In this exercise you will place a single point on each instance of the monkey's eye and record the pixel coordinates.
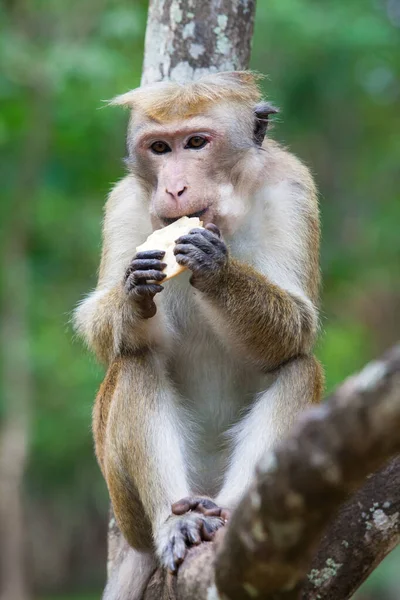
(160, 148)
(196, 142)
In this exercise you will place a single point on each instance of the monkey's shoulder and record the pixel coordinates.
(124, 214)
(284, 166)
(127, 192)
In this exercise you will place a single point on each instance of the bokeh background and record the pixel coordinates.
(333, 68)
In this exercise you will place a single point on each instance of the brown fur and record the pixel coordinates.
(258, 330)
(284, 165)
(101, 409)
(119, 438)
(300, 375)
(166, 101)
(272, 326)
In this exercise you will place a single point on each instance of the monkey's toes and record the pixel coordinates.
(204, 506)
(180, 532)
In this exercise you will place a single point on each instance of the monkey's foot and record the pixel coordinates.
(180, 532)
(205, 506)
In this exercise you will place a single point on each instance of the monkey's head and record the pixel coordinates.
(196, 148)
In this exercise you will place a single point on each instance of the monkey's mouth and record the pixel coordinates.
(199, 213)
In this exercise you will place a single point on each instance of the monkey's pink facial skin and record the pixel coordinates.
(183, 163)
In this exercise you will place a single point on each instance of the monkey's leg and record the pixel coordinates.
(298, 384)
(144, 461)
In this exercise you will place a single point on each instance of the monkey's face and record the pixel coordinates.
(196, 167)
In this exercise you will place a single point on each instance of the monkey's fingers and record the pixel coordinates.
(198, 504)
(146, 290)
(146, 254)
(181, 507)
(212, 512)
(144, 264)
(194, 239)
(138, 277)
(185, 261)
(194, 537)
(224, 513)
(207, 532)
(211, 233)
(178, 551)
(184, 249)
(213, 228)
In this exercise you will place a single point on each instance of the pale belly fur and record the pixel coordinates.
(214, 387)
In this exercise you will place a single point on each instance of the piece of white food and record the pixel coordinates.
(164, 239)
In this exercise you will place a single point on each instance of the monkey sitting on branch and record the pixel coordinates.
(207, 372)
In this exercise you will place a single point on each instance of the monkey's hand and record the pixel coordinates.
(204, 253)
(141, 280)
(179, 532)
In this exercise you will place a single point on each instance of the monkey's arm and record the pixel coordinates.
(110, 320)
(266, 323)
(269, 324)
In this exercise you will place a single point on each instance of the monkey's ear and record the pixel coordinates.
(261, 119)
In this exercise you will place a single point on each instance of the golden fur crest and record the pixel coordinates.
(167, 100)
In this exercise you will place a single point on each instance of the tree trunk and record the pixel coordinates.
(184, 40)
(187, 38)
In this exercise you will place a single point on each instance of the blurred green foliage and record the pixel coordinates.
(333, 68)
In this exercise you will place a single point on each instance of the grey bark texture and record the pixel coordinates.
(277, 545)
(302, 532)
(366, 529)
(189, 38)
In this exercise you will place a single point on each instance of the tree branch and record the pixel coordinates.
(299, 486)
(268, 547)
(366, 529)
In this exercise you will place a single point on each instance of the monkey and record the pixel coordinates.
(206, 373)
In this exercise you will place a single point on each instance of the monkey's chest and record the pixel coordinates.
(214, 384)
(214, 389)
(210, 381)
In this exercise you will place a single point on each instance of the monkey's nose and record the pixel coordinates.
(176, 193)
